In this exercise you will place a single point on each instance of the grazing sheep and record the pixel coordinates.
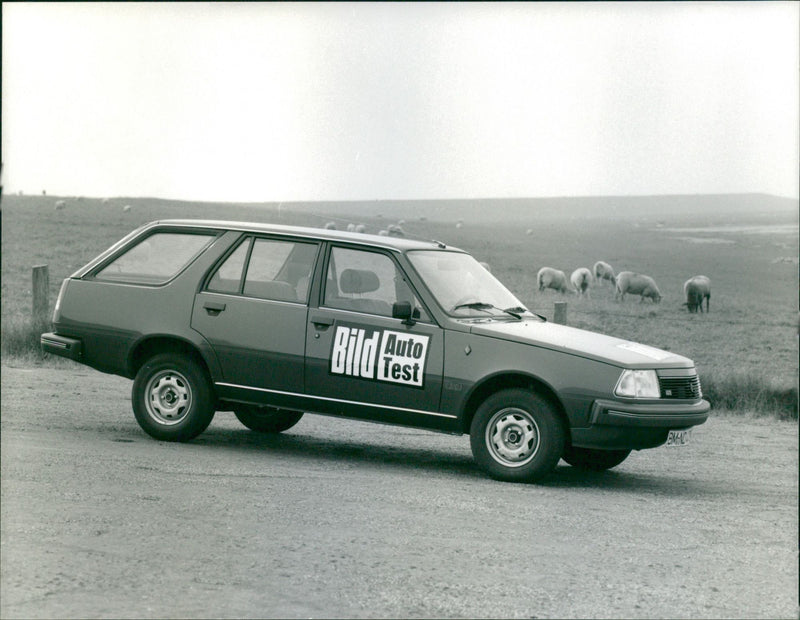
(395, 230)
(552, 278)
(486, 266)
(330, 226)
(360, 228)
(582, 279)
(126, 208)
(384, 233)
(603, 271)
(637, 284)
(696, 290)
(351, 227)
(60, 204)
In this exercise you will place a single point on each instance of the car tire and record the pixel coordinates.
(267, 419)
(172, 398)
(517, 436)
(590, 459)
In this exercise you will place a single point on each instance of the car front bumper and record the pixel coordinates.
(615, 425)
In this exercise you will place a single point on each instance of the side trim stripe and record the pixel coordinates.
(336, 400)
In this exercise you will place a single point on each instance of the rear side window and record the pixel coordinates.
(157, 258)
(274, 269)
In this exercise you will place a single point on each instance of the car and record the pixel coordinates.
(272, 322)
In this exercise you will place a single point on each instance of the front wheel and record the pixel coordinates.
(266, 419)
(172, 398)
(590, 459)
(516, 435)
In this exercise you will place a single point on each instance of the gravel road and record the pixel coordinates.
(337, 518)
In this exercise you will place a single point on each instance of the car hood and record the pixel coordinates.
(616, 351)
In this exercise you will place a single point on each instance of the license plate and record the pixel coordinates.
(676, 439)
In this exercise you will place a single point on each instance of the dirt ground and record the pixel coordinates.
(337, 518)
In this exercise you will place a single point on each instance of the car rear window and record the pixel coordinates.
(157, 258)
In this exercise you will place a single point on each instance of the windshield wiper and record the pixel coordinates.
(519, 309)
(481, 305)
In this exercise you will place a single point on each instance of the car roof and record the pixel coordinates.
(382, 241)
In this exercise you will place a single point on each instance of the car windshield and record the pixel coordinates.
(462, 286)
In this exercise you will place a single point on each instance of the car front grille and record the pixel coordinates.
(680, 387)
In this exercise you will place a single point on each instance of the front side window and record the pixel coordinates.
(274, 269)
(157, 258)
(368, 282)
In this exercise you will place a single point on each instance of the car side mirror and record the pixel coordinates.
(403, 310)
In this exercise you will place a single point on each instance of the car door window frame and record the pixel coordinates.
(251, 240)
(324, 265)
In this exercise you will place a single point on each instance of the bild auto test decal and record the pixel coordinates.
(379, 354)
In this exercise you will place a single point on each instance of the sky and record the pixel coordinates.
(262, 102)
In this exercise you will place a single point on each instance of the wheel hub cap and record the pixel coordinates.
(169, 397)
(512, 437)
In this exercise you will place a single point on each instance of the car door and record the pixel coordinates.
(253, 309)
(361, 362)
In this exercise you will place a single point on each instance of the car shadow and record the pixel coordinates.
(335, 449)
(624, 480)
(439, 461)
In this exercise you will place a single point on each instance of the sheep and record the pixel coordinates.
(330, 226)
(60, 204)
(384, 233)
(582, 279)
(697, 289)
(637, 284)
(351, 227)
(126, 208)
(360, 228)
(552, 278)
(604, 271)
(486, 266)
(395, 230)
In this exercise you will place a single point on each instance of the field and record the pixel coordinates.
(746, 244)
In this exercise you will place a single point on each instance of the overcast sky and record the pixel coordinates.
(340, 101)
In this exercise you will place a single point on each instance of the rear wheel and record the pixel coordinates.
(516, 435)
(172, 398)
(267, 419)
(591, 459)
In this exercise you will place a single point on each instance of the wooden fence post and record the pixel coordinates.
(41, 293)
(560, 313)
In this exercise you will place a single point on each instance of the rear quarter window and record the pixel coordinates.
(157, 258)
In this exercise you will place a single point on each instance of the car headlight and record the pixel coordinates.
(638, 384)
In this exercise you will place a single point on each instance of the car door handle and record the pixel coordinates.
(213, 308)
(322, 322)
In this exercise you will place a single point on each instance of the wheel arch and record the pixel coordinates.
(152, 345)
(504, 381)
